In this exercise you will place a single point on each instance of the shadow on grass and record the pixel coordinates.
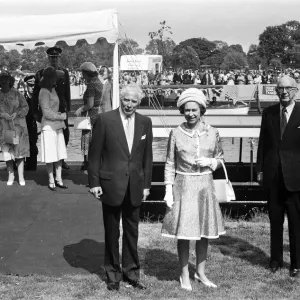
(241, 249)
(87, 254)
(162, 264)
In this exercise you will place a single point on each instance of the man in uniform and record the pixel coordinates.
(62, 88)
(31, 162)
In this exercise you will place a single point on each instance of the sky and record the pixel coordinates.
(232, 21)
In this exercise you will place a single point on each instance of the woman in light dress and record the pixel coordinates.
(193, 213)
(13, 111)
(53, 147)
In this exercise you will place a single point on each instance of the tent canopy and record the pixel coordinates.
(27, 31)
(20, 29)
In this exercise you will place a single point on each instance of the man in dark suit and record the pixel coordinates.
(120, 170)
(278, 166)
(207, 78)
(62, 88)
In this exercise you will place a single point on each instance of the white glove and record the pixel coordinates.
(169, 196)
(13, 116)
(204, 161)
(6, 116)
(79, 111)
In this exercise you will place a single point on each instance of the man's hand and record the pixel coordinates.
(260, 178)
(96, 191)
(146, 193)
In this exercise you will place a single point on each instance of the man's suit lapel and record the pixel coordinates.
(119, 131)
(294, 118)
(138, 131)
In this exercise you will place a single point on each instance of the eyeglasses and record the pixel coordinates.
(288, 89)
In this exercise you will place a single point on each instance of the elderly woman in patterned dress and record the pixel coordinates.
(92, 104)
(13, 110)
(194, 152)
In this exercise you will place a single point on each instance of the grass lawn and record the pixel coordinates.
(237, 263)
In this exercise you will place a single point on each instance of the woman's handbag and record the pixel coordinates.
(11, 136)
(83, 123)
(223, 187)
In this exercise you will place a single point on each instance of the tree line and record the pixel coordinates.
(278, 47)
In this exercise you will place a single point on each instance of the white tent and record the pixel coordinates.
(20, 30)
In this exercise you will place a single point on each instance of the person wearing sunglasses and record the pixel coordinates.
(278, 166)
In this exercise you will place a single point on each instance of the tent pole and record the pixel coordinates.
(116, 90)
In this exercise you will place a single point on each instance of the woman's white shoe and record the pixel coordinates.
(206, 283)
(22, 183)
(188, 288)
(10, 180)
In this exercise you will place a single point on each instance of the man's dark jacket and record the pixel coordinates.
(274, 151)
(112, 166)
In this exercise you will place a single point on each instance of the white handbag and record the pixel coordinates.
(223, 187)
(83, 123)
(11, 136)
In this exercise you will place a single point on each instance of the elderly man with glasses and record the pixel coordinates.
(278, 166)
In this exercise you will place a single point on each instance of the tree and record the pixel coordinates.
(185, 57)
(279, 41)
(275, 63)
(220, 44)
(237, 48)
(162, 44)
(234, 60)
(169, 45)
(202, 46)
(129, 47)
(254, 59)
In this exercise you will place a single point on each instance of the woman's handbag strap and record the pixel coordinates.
(225, 171)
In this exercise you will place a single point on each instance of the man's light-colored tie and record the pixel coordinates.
(129, 132)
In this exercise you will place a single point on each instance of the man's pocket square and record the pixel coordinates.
(143, 137)
(298, 127)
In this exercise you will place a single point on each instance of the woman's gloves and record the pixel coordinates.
(79, 111)
(169, 195)
(207, 162)
(63, 116)
(7, 117)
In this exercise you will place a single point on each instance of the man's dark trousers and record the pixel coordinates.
(130, 220)
(280, 200)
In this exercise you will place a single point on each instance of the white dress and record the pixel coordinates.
(53, 145)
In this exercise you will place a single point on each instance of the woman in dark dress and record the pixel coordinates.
(92, 104)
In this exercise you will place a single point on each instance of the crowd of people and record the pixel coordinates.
(45, 98)
(118, 157)
(207, 77)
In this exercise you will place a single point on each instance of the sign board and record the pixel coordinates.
(141, 63)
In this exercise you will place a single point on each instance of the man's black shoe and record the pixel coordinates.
(136, 284)
(65, 166)
(113, 286)
(295, 272)
(275, 266)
